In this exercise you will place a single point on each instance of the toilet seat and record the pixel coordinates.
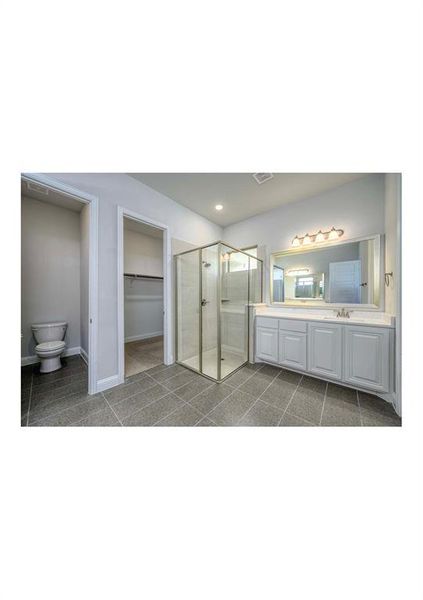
(50, 346)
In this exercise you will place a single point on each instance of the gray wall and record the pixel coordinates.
(357, 207)
(50, 270)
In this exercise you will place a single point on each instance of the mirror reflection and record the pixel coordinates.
(345, 273)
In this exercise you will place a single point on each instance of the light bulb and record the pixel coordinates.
(320, 237)
(333, 234)
(306, 240)
(218, 207)
(296, 241)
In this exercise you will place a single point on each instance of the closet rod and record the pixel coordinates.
(138, 276)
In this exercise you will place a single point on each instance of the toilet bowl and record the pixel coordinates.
(50, 344)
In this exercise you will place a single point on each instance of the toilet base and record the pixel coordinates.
(48, 365)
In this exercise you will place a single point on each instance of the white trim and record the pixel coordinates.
(143, 336)
(34, 359)
(84, 356)
(167, 287)
(92, 200)
(107, 383)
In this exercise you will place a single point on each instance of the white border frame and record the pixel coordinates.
(122, 213)
(92, 201)
(380, 288)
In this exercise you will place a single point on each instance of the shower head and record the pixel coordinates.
(206, 264)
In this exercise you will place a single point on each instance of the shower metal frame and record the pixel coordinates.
(200, 249)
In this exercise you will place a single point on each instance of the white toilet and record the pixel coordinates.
(50, 338)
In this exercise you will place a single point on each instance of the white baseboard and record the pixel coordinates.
(84, 356)
(107, 383)
(143, 336)
(33, 360)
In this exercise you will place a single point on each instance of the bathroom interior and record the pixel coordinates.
(283, 306)
(55, 287)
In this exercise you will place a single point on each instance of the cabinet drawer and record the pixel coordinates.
(293, 325)
(268, 322)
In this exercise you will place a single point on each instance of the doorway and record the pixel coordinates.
(48, 301)
(143, 294)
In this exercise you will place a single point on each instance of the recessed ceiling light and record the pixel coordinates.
(218, 207)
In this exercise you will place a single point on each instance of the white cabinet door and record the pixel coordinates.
(267, 344)
(325, 350)
(293, 349)
(367, 357)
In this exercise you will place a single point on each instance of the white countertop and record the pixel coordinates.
(376, 319)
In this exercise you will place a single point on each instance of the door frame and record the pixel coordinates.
(92, 202)
(123, 212)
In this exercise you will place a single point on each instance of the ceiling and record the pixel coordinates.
(241, 196)
(142, 228)
(36, 191)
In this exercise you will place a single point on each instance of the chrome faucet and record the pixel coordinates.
(343, 314)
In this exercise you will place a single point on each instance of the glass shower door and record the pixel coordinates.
(234, 312)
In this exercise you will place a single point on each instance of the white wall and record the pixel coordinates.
(143, 298)
(357, 207)
(50, 262)
(393, 263)
(143, 254)
(120, 189)
(84, 281)
(392, 233)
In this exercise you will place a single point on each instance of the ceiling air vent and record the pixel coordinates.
(262, 177)
(34, 187)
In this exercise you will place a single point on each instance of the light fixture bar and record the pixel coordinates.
(316, 238)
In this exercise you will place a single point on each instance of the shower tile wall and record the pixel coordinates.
(210, 257)
(188, 305)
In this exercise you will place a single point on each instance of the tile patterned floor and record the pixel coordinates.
(143, 355)
(256, 395)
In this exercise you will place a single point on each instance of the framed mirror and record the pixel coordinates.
(330, 274)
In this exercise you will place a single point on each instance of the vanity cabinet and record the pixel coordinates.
(366, 357)
(293, 349)
(267, 339)
(358, 355)
(325, 350)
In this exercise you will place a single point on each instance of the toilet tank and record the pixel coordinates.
(49, 332)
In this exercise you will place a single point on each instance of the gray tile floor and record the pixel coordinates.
(256, 395)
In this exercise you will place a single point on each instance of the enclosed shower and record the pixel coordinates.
(215, 288)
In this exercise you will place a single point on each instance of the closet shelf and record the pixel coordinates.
(138, 276)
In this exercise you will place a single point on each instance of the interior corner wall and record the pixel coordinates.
(357, 207)
(118, 189)
(50, 270)
(84, 280)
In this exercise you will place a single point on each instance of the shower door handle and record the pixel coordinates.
(204, 302)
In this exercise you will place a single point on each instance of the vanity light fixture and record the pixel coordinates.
(320, 236)
(295, 272)
(218, 206)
